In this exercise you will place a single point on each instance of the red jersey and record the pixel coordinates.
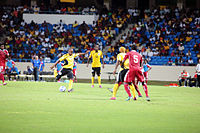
(3, 55)
(184, 75)
(134, 59)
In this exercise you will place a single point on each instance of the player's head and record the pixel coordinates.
(134, 48)
(41, 58)
(2, 46)
(70, 51)
(145, 61)
(122, 49)
(184, 71)
(36, 57)
(96, 47)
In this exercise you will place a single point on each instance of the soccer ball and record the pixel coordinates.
(62, 88)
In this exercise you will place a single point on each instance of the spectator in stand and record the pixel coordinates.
(183, 78)
(181, 47)
(36, 65)
(170, 62)
(180, 61)
(188, 54)
(176, 61)
(106, 59)
(75, 24)
(190, 62)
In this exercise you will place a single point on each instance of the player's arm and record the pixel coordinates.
(79, 54)
(116, 66)
(58, 61)
(149, 68)
(89, 59)
(102, 60)
(55, 64)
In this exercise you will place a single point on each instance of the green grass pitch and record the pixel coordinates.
(39, 107)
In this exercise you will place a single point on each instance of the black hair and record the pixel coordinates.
(134, 47)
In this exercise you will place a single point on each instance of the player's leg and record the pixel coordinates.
(198, 80)
(127, 81)
(93, 75)
(2, 70)
(71, 78)
(145, 76)
(116, 86)
(99, 76)
(74, 73)
(180, 82)
(133, 91)
(55, 72)
(61, 73)
(140, 77)
(185, 82)
(137, 89)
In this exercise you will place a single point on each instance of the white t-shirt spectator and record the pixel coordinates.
(155, 53)
(190, 61)
(145, 53)
(150, 54)
(181, 48)
(106, 59)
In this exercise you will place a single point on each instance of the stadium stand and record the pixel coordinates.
(165, 35)
(49, 40)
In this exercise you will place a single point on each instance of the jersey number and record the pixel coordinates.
(135, 57)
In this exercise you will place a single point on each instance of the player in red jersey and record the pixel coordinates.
(3, 55)
(135, 71)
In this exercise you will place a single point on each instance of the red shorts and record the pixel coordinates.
(74, 72)
(145, 75)
(2, 68)
(132, 74)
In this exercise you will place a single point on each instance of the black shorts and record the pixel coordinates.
(121, 75)
(96, 70)
(66, 71)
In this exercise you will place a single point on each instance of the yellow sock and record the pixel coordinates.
(92, 80)
(132, 90)
(99, 80)
(55, 73)
(115, 88)
(70, 84)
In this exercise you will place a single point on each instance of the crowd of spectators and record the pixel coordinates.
(165, 37)
(46, 40)
(43, 9)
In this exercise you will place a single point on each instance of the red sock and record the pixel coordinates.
(120, 83)
(2, 77)
(146, 81)
(145, 89)
(126, 87)
(137, 89)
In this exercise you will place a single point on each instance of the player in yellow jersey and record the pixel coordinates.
(121, 74)
(96, 56)
(67, 66)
